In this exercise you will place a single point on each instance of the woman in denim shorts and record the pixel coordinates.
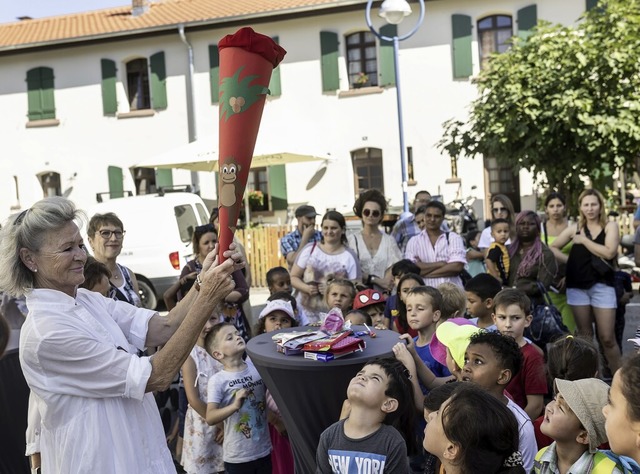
(590, 274)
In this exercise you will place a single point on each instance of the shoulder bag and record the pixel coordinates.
(546, 325)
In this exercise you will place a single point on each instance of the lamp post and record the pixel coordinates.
(394, 11)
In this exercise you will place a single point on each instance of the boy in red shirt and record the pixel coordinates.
(511, 315)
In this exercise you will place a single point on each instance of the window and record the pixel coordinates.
(50, 183)
(362, 63)
(493, 35)
(258, 182)
(500, 179)
(367, 169)
(144, 180)
(138, 84)
(40, 94)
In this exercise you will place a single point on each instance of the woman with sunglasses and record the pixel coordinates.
(376, 250)
(106, 234)
(501, 207)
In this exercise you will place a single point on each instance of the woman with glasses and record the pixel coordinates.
(106, 234)
(501, 207)
(376, 250)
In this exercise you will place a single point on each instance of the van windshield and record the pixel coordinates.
(187, 221)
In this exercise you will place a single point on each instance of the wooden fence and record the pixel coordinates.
(262, 245)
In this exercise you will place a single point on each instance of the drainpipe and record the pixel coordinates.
(191, 105)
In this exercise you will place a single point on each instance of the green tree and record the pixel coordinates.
(565, 102)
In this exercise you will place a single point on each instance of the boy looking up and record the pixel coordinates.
(575, 421)
(236, 395)
(497, 260)
(529, 386)
(480, 291)
(491, 360)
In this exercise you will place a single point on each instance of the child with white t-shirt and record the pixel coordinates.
(236, 395)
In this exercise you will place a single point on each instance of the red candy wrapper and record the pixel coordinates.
(247, 60)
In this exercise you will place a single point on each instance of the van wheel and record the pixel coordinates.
(147, 295)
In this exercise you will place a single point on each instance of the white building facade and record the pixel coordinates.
(80, 112)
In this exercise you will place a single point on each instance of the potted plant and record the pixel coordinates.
(256, 200)
(361, 80)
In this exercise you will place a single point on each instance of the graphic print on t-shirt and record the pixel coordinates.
(356, 462)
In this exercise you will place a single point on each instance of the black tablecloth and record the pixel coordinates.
(309, 393)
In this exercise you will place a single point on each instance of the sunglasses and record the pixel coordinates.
(202, 229)
(375, 296)
(106, 234)
(369, 212)
(500, 209)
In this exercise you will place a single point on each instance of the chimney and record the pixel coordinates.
(139, 7)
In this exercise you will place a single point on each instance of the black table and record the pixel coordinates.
(310, 393)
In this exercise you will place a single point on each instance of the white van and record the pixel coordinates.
(157, 244)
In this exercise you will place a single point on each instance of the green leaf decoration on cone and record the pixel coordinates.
(237, 95)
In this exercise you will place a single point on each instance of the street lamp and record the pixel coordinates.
(394, 11)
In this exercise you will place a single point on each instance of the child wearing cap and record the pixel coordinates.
(450, 342)
(575, 421)
(277, 314)
(372, 302)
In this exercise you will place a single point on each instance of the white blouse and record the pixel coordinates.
(79, 358)
(387, 254)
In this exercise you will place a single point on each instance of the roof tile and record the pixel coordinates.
(162, 13)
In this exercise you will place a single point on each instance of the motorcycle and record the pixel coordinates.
(626, 261)
(460, 215)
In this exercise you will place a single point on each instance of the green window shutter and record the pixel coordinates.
(527, 20)
(591, 4)
(278, 187)
(109, 100)
(48, 102)
(116, 184)
(40, 94)
(214, 73)
(329, 61)
(158, 81)
(386, 60)
(275, 88)
(461, 43)
(33, 94)
(164, 178)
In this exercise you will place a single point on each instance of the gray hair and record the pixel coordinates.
(28, 230)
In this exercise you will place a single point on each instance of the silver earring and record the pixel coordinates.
(35, 270)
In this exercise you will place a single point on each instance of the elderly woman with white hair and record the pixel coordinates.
(78, 349)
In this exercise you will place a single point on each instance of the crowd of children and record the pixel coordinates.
(462, 365)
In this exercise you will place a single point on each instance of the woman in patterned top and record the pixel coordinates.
(106, 235)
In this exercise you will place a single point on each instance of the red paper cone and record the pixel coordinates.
(247, 60)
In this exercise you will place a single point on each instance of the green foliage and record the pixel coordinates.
(232, 89)
(564, 103)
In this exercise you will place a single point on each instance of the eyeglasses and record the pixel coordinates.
(365, 298)
(106, 234)
(497, 210)
(372, 213)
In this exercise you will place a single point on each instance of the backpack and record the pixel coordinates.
(602, 464)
